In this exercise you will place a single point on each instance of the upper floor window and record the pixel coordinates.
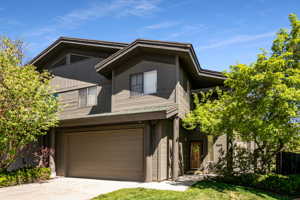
(143, 83)
(69, 59)
(62, 61)
(76, 58)
(88, 96)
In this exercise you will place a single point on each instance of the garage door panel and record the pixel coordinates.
(114, 154)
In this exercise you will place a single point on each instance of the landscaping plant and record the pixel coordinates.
(27, 107)
(21, 176)
(259, 103)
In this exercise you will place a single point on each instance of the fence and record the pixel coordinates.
(288, 163)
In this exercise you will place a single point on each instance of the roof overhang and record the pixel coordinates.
(155, 113)
(75, 43)
(185, 51)
(118, 52)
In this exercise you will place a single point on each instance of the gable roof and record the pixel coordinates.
(184, 50)
(118, 51)
(64, 42)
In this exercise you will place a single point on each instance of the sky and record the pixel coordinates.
(223, 32)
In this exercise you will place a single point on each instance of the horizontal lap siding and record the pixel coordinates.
(184, 99)
(165, 83)
(67, 81)
(69, 103)
(76, 75)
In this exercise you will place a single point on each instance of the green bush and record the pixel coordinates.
(21, 176)
(270, 182)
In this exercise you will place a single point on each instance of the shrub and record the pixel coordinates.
(270, 182)
(42, 156)
(21, 176)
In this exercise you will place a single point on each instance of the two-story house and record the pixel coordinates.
(122, 106)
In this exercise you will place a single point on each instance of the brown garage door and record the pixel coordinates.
(114, 154)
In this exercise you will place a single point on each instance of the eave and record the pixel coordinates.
(185, 51)
(78, 43)
(153, 113)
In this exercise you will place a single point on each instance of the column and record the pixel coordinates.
(175, 146)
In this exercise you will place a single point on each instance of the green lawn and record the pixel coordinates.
(204, 190)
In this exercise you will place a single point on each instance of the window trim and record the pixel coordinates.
(54, 64)
(142, 73)
(86, 92)
(77, 54)
(130, 85)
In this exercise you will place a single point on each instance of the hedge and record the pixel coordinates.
(26, 175)
(288, 185)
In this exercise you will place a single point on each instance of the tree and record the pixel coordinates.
(27, 107)
(260, 103)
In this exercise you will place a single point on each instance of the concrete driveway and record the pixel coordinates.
(78, 189)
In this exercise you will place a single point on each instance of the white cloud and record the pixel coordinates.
(100, 9)
(236, 40)
(187, 30)
(163, 25)
(114, 8)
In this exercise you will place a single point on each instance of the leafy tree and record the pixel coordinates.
(260, 103)
(27, 108)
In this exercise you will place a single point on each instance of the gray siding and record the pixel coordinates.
(184, 95)
(161, 161)
(166, 81)
(155, 147)
(67, 81)
(60, 157)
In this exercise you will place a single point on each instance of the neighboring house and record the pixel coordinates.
(122, 106)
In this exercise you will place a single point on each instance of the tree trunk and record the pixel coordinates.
(230, 152)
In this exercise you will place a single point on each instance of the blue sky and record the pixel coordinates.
(223, 32)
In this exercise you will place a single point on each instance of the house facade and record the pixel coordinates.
(121, 109)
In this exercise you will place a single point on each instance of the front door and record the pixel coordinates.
(195, 155)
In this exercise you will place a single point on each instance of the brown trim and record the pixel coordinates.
(101, 127)
(175, 146)
(177, 79)
(185, 48)
(112, 90)
(147, 152)
(66, 152)
(52, 155)
(117, 118)
(79, 41)
(159, 154)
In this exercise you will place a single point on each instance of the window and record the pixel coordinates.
(88, 96)
(136, 84)
(62, 61)
(143, 83)
(69, 59)
(150, 82)
(76, 58)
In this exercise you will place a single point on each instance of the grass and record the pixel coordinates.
(203, 190)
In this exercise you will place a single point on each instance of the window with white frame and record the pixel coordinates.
(143, 83)
(88, 96)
